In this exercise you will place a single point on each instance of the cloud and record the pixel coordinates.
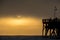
(39, 8)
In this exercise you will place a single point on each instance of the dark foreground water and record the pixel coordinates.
(26, 38)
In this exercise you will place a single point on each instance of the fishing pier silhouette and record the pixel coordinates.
(51, 26)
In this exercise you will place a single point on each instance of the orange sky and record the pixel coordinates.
(20, 26)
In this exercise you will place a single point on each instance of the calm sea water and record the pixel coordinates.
(25, 38)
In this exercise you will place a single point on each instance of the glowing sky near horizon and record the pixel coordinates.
(20, 26)
(24, 16)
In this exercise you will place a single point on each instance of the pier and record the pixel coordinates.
(52, 26)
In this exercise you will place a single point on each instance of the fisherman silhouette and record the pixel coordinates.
(57, 26)
(54, 25)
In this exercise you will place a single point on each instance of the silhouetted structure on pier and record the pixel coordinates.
(51, 26)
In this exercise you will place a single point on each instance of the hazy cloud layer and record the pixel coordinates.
(38, 8)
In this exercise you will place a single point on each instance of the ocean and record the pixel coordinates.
(27, 38)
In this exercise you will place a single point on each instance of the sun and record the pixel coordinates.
(18, 16)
